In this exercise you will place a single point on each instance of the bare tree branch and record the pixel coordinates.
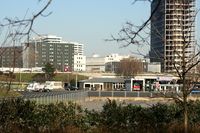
(16, 31)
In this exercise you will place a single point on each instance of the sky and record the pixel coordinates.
(89, 22)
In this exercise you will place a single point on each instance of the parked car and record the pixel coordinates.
(71, 88)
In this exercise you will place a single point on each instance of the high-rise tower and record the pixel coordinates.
(172, 33)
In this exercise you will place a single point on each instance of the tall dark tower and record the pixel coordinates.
(172, 30)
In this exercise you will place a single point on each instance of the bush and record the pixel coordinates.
(1, 73)
(39, 77)
(26, 116)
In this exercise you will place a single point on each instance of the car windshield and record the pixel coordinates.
(30, 85)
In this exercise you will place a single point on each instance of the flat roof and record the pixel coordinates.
(104, 80)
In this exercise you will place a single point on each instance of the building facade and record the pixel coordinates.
(49, 49)
(11, 57)
(79, 58)
(154, 67)
(79, 63)
(102, 84)
(112, 62)
(172, 32)
(115, 57)
(78, 48)
(95, 64)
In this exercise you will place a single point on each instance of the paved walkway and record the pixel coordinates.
(97, 104)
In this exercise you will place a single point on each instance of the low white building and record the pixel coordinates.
(23, 70)
(144, 82)
(115, 57)
(154, 67)
(108, 63)
(95, 64)
(102, 84)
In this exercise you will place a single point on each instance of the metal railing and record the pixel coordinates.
(81, 96)
(56, 97)
(136, 94)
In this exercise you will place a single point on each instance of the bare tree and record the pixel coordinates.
(130, 67)
(16, 31)
(183, 62)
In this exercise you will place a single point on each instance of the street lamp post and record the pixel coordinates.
(2, 63)
(76, 80)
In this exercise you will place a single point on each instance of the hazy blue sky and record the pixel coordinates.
(84, 21)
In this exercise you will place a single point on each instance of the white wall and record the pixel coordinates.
(115, 58)
(95, 64)
(79, 63)
(154, 67)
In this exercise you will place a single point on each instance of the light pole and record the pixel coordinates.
(20, 77)
(2, 63)
(76, 80)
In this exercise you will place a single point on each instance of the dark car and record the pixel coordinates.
(71, 88)
(68, 86)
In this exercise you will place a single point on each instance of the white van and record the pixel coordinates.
(53, 85)
(35, 87)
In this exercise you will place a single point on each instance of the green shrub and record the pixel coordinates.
(26, 116)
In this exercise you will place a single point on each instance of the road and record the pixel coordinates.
(96, 99)
(26, 94)
(100, 94)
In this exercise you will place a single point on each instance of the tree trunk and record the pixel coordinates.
(185, 117)
(185, 105)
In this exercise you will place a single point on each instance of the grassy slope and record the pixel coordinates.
(65, 77)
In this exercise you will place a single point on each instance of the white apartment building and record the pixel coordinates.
(79, 58)
(78, 48)
(79, 63)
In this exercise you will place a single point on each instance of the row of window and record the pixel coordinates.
(177, 32)
(79, 57)
(79, 65)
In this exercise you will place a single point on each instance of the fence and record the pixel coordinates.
(121, 94)
(136, 94)
(81, 96)
(55, 97)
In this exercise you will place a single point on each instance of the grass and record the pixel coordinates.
(5, 93)
(64, 77)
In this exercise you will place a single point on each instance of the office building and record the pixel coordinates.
(78, 48)
(172, 33)
(11, 57)
(49, 49)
